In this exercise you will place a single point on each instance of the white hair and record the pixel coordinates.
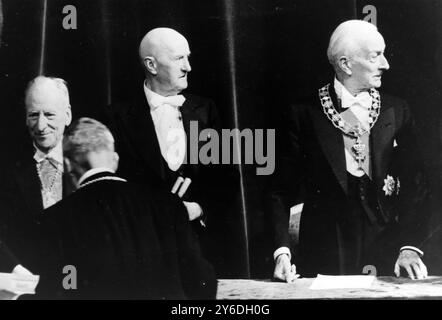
(345, 39)
(60, 84)
(84, 136)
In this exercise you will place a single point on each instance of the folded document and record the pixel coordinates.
(323, 282)
(18, 283)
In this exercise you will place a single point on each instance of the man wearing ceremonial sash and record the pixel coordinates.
(354, 151)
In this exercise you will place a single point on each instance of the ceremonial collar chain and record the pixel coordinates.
(339, 122)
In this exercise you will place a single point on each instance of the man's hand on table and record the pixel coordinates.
(412, 263)
(284, 270)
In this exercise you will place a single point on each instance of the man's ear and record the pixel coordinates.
(68, 116)
(150, 64)
(69, 168)
(115, 160)
(344, 64)
(67, 165)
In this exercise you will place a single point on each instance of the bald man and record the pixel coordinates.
(36, 180)
(152, 133)
(355, 152)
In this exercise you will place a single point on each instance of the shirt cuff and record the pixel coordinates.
(282, 250)
(418, 251)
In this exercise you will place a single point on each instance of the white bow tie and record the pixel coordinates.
(174, 101)
(363, 99)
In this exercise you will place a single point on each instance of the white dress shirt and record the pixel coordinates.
(56, 153)
(168, 125)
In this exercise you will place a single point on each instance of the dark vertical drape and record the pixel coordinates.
(106, 19)
(250, 56)
(231, 48)
(44, 17)
(1, 21)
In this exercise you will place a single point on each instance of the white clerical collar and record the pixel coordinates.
(92, 172)
(56, 153)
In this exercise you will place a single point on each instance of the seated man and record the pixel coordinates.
(123, 241)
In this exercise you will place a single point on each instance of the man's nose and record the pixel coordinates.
(384, 63)
(41, 122)
(186, 65)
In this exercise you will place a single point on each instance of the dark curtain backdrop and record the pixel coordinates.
(250, 56)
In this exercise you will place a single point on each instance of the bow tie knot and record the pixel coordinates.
(363, 99)
(174, 101)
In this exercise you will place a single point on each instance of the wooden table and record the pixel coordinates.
(382, 288)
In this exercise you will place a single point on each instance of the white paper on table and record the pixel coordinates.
(323, 282)
(18, 283)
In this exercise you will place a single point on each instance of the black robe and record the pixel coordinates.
(126, 242)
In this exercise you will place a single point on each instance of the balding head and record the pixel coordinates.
(164, 54)
(157, 40)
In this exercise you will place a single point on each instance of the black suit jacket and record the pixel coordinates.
(312, 158)
(141, 160)
(21, 206)
(126, 242)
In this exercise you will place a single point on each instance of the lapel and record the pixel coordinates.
(68, 184)
(29, 184)
(382, 134)
(140, 128)
(189, 113)
(331, 140)
(192, 111)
